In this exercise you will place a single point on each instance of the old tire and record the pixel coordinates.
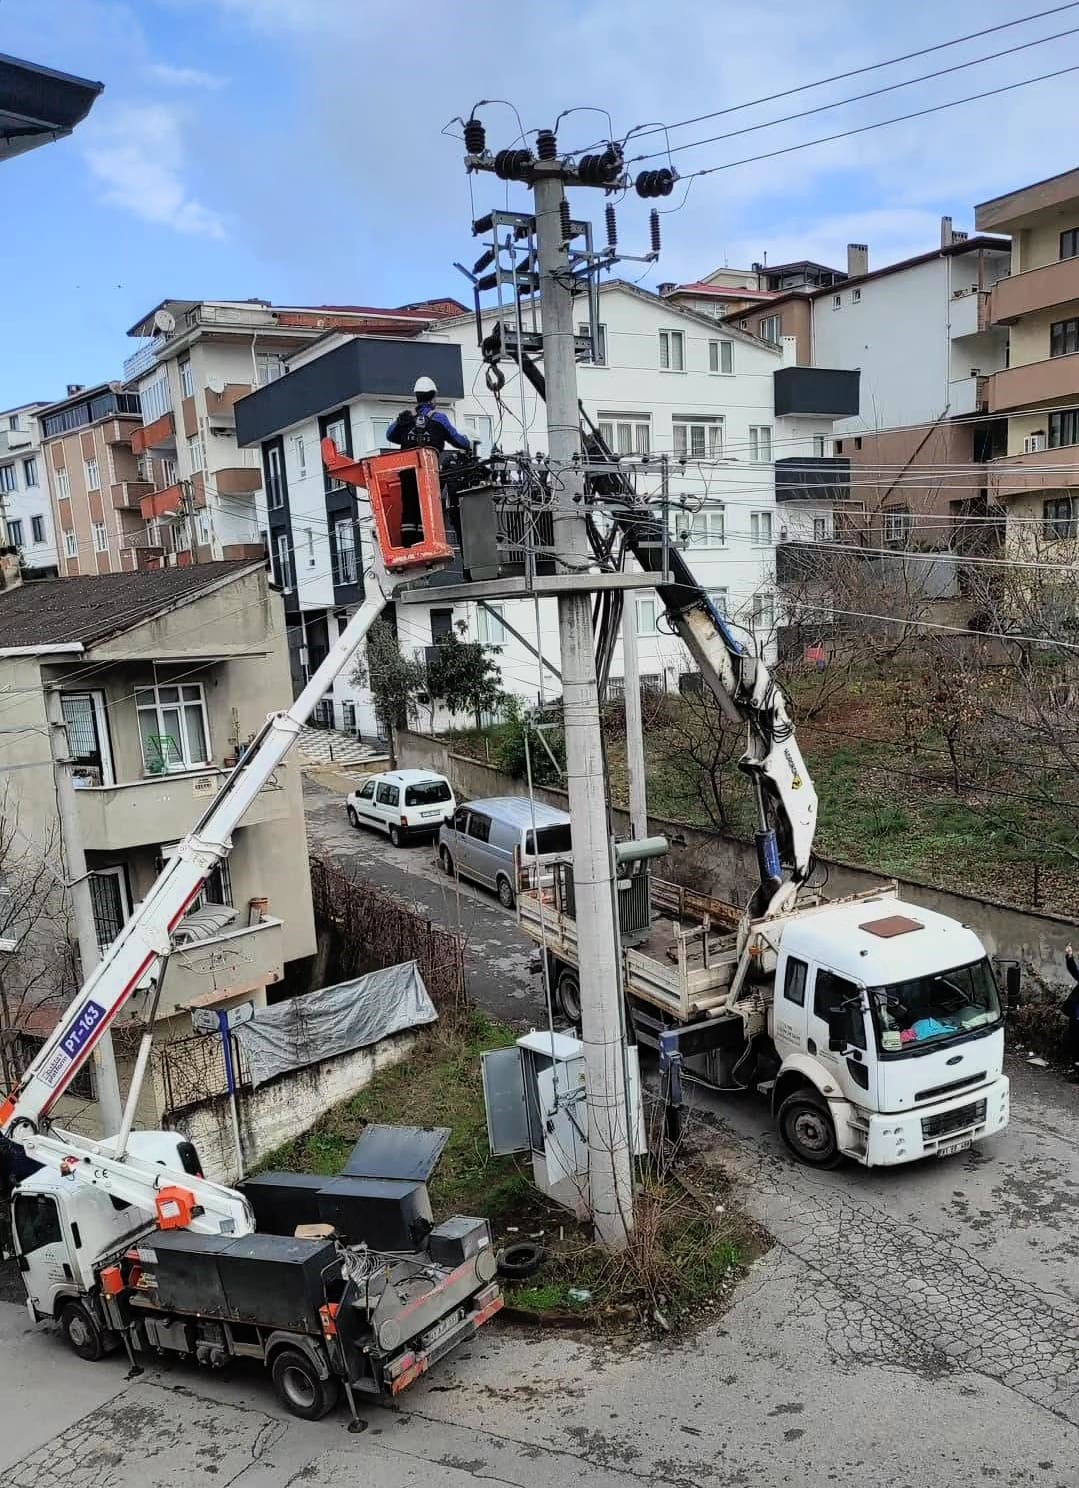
(299, 1386)
(521, 1260)
(569, 997)
(353, 819)
(506, 895)
(445, 857)
(83, 1335)
(807, 1128)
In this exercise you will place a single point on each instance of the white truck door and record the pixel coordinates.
(851, 1065)
(44, 1261)
(789, 1007)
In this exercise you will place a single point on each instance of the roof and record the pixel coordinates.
(722, 291)
(86, 393)
(84, 611)
(409, 777)
(837, 940)
(38, 105)
(520, 811)
(421, 311)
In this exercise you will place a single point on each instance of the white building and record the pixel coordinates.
(25, 512)
(666, 382)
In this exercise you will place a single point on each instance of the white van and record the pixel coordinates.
(490, 841)
(402, 803)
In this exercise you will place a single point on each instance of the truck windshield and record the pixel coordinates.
(932, 1009)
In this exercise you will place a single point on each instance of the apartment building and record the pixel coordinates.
(26, 522)
(1036, 307)
(196, 360)
(163, 678)
(741, 291)
(95, 483)
(724, 409)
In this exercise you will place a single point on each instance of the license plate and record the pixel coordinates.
(447, 1325)
(947, 1148)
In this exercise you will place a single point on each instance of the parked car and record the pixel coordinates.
(402, 803)
(490, 841)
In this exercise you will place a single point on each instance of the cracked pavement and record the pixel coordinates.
(911, 1328)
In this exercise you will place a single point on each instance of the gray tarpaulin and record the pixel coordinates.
(335, 1020)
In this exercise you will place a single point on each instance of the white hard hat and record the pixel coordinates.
(425, 385)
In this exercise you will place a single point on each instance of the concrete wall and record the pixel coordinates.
(726, 867)
(282, 1109)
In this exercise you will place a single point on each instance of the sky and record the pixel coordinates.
(301, 151)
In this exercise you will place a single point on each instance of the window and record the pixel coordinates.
(196, 460)
(1064, 428)
(441, 625)
(833, 993)
(764, 612)
(719, 599)
(480, 428)
(206, 531)
(646, 617)
(794, 983)
(700, 529)
(37, 1222)
(697, 439)
(300, 451)
(387, 795)
(155, 400)
(1063, 337)
(337, 430)
(721, 357)
(490, 630)
(760, 529)
(344, 533)
(856, 296)
(187, 380)
(600, 357)
(672, 351)
(479, 826)
(71, 543)
(172, 726)
(897, 524)
(37, 529)
(626, 433)
(822, 446)
(29, 472)
(14, 423)
(760, 444)
(111, 904)
(14, 532)
(284, 562)
(275, 485)
(93, 475)
(348, 717)
(1069, 243)
(1058, 517)
(7, 478)
(269, 366)
(770, 329)
(839, 446)
(101, 538)
(820, 529)
(63, 486)
(837, 300)
(857, 441)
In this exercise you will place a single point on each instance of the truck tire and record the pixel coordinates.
(83, 1335)
(569, 997)
(353, 819)
(445, 857)
(506, 896)
(395, 837)
(807, 1128)
(299, 1386)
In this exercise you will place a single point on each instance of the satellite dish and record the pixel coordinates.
(216, 385)
(164, 321)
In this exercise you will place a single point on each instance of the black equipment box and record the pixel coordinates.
(397, 1152)
(281, 1201)
(270, 1280)
(384, 1213)
(457, 1240)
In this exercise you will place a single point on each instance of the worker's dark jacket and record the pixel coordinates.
(425, 426)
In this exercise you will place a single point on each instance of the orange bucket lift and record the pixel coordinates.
(405, 491)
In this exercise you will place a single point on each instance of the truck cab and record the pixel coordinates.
(889, 1031)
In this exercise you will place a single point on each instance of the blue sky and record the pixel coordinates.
(292, 149)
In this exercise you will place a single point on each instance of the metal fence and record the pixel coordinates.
(192, 1070)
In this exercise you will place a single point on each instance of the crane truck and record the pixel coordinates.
(126, 1244)
(874, 1026)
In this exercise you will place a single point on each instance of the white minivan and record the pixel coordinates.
(402, 803)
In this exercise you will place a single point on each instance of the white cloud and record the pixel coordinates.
(185, 77)
(136, 154)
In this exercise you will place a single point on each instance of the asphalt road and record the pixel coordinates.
(911, 1328)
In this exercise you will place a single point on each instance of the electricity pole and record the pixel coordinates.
(631, 686)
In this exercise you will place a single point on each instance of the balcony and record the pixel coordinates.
(238, 480)
(237, 960)
(821, 391)
(14, 441)
(1055, 379)
(821, 478)
(221, 407)
(127, 495)
(120, 430)
(1015, 475)
(161, 432)
(1036, 289)
(162, 808)
(969, 313)
(164, 503)
(144, 360)
(967, 395)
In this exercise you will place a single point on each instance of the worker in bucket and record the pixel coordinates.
(1070, 1009)
(426, 427)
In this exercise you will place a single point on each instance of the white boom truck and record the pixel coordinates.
(875, 1026)
(125, 1243)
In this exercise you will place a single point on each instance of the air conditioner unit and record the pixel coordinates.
(1033, 444)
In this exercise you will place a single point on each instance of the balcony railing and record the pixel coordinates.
(238, 959)
(13, 441)
(144, 360)
(160, 432)
(161, 808)
(127, 494)
(1034, 382)
(820, 478)
(1035, 289)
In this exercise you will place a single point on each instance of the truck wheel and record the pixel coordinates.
(446, 859)
(82, 1332)
(353, 819)
(299, 1387)
(395, 836)
(569, 997)
(806, 1126)
(505, 893)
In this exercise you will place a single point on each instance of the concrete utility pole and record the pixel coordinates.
(610, 1169)
(105, 1075)
(638, 791)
